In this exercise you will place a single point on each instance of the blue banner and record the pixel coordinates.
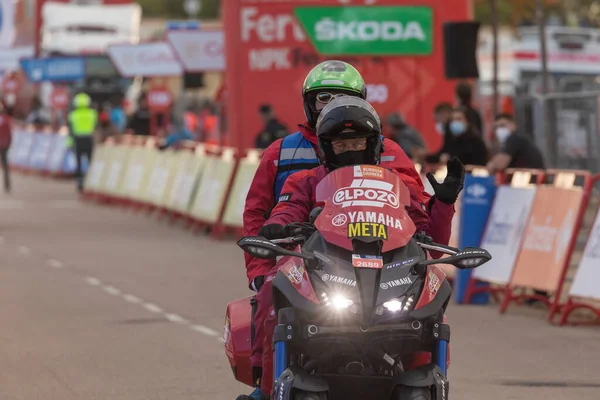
(477, 198)
(58, 69)
(183, 25)
(38, 159)
(20, 156)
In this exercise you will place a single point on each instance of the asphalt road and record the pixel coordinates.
(101, 303)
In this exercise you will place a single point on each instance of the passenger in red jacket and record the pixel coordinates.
(349, 133)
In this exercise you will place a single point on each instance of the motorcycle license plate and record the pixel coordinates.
(373, 262)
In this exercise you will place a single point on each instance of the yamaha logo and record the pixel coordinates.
(325, 277)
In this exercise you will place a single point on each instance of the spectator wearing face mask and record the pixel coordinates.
(466, 143)
(442, 115)
(464, 97)
(517, 150)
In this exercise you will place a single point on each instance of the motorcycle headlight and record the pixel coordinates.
(402, 304)
(337, 301)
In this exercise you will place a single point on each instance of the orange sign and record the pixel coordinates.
(159, 100)
(549, 231)
(59, 98)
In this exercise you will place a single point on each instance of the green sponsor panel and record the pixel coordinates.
(159, 178)
(179, 162)
(191, 182)
(93, 178)
(369, 30)
(115, 173)
(135, 171)
(234, 211)
(212, 188)
(146, 165)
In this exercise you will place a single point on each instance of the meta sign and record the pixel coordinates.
(58, 69)
(397, 46)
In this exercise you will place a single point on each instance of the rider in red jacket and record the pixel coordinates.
(326, 81)
(349, 133)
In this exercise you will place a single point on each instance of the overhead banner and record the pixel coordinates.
(199, 51)
(368, 30)
(397, 47)
(147, 59)
(547, 236)
(54, 69)
(586, 279)
(504, 233)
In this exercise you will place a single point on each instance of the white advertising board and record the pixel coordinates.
(587, 276)
(147, 59)
(504, 233)
(199, 51)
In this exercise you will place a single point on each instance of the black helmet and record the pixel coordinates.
(348, 118)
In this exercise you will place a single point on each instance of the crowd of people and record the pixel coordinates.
(460, 125)
(461, 128)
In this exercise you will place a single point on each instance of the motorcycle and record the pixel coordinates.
(356, 295)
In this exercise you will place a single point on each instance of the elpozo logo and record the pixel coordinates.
(369, 193)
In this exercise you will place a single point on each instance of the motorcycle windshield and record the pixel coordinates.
(367, 203)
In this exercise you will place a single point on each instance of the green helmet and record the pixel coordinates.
(81, 100)
(331, 74)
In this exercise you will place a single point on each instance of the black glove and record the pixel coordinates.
(447, 192)
(272, 231)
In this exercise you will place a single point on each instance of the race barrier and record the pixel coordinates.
(528, 222)
(550, 236)
(478, 195)
(44, 153)
(504, 231)
(195, 182)
(584, 288)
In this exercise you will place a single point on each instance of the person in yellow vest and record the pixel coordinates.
(82, 123)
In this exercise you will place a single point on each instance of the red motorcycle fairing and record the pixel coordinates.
(364, 194)
(433, 281)
(293, 268)
(237, 334)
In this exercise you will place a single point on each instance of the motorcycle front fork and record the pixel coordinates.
(441, 355)
(280, 359)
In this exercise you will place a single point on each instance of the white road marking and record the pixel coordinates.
(112, 290)
(204, 330)
(153, 308)
(92, 281)
(132, 299)
(24, 250)
(55, 264)
(176, 318)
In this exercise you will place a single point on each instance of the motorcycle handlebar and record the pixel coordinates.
(288, 240)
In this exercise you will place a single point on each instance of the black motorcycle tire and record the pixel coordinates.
(411, 393)
(301, 395)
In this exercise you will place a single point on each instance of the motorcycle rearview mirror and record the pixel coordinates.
(468, 258)
(314, 214)
(261, 247)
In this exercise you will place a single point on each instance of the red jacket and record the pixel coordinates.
(260, 196)
(302, 185)
(5, 131)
